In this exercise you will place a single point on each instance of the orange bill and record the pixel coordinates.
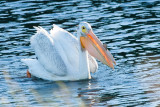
(95, 48)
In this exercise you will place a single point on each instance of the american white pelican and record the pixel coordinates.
(62, 56)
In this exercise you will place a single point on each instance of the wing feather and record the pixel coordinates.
(67, 44)
(47, 53)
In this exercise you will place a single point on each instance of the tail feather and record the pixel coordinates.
(36, 69)
(28, 62)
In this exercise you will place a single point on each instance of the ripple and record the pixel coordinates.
(130, 28)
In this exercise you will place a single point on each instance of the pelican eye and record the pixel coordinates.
(83, 29)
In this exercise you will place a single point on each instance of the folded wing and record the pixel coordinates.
(47, 53)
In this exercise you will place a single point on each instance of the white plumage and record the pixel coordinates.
(60, 56)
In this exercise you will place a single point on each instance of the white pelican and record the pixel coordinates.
(62, 56)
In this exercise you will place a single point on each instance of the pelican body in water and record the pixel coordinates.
(62, 56)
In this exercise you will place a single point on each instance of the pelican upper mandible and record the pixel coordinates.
(62, 56)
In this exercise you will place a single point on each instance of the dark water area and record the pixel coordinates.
(130, 28)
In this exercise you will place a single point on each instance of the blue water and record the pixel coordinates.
(130, 28)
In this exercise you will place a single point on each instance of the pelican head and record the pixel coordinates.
(84, 28)
(93, 45)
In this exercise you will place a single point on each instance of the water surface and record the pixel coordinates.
(130, 28)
